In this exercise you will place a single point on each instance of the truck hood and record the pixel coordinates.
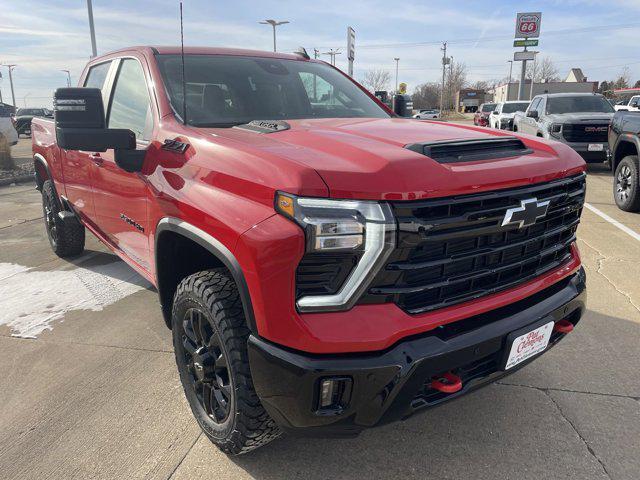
(366, 158)
(579, 117)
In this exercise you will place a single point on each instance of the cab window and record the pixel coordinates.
(97, 75)
(130, 105)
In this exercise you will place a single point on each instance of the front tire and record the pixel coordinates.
(66, 238)
(210, 343)
(626, 190)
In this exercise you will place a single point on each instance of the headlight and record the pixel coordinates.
(365, 229)
(555, 129)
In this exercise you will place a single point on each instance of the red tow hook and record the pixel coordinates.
(563, 326)
(446, 383)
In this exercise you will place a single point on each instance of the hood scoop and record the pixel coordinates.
(473, 150)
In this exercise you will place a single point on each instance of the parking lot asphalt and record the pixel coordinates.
(89, 387)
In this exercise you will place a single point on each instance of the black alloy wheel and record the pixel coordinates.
(626, 191)
(207, 364)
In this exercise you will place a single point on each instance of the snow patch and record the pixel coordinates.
(31, 300)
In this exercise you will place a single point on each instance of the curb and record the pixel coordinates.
(19, 179)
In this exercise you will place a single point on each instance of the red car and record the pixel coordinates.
(324, 266)
(481, 117)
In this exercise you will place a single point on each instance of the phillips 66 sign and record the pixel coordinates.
(528, 25)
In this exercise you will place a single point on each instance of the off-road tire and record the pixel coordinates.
(214, 294)
(66, 238)
(626, 191)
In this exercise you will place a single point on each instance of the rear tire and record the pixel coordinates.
(626, 190)
(210, 343)
(65, 237)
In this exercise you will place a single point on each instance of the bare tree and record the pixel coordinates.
(376, 80)
(545, 69)
(622, 79)
(426, 95)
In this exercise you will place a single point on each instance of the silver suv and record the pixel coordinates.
(581, 120)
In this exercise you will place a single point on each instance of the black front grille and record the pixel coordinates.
(452, 250)
(585, 132)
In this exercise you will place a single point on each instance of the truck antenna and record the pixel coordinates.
(184, 83)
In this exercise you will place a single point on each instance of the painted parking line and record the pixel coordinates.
(613, 222)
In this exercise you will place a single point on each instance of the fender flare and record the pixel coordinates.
(218, 250)
(624, 138)
(39, 159)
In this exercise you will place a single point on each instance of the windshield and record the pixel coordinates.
(514, 107)
(34, 112)
(488, 107)
(578, 104)
(223, 91)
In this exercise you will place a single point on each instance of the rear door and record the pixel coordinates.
(121, 197)
(77, 164)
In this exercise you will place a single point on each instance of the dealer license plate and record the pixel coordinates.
(595, 147)
(530, 344)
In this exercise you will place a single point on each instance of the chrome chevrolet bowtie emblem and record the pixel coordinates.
(526, 214)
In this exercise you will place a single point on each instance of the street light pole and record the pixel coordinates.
(94, 51)
(274, 24)
(68, 77)
(332, 53)
(510, 62)
(397, 59)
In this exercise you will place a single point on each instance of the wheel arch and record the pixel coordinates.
(205, 252)
(626, 145)
(42, 171)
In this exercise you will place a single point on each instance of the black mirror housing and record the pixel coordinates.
(532, 114)
(495, 112)
(80, 122)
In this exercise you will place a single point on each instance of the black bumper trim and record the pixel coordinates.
(392, 385)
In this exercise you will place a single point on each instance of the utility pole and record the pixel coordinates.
(316, 53)
(451, 101)
(332, 53)
(444, 67)
(68, 77)
(510, 62)
(397, 59)
(94, 51)
(13, 95)
(274, 24)
(24, 99)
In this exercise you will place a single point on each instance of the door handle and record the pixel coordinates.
(97, 159)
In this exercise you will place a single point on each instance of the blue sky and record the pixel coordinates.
(43, 37)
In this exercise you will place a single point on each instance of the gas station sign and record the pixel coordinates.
(528, 25)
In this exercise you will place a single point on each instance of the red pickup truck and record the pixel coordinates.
(323, 265)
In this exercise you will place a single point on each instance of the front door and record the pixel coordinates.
(121, 198)
(77, 165)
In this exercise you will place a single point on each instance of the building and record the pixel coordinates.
(576, 75)
(506, 92)
(468, 99)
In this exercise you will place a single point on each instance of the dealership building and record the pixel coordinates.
(575, 82)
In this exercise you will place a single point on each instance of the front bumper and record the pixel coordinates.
(589, 156)
(395, 383)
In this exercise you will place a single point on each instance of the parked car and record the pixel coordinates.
(502, 116)
(425, 114)
(481, 117)
(632, 105)
(624, 143)
(25, 115)
(581, 120)
(7, 130)
(324, 267)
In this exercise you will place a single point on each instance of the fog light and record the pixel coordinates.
(334, 394)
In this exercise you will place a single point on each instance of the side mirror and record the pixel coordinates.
(80, 122)
(633, 104)
(495, 112)
(532, 114)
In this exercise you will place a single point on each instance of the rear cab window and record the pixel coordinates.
(97, 75)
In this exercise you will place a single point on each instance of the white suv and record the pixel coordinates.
(7, 130)
(502, 115)
(633, 105)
